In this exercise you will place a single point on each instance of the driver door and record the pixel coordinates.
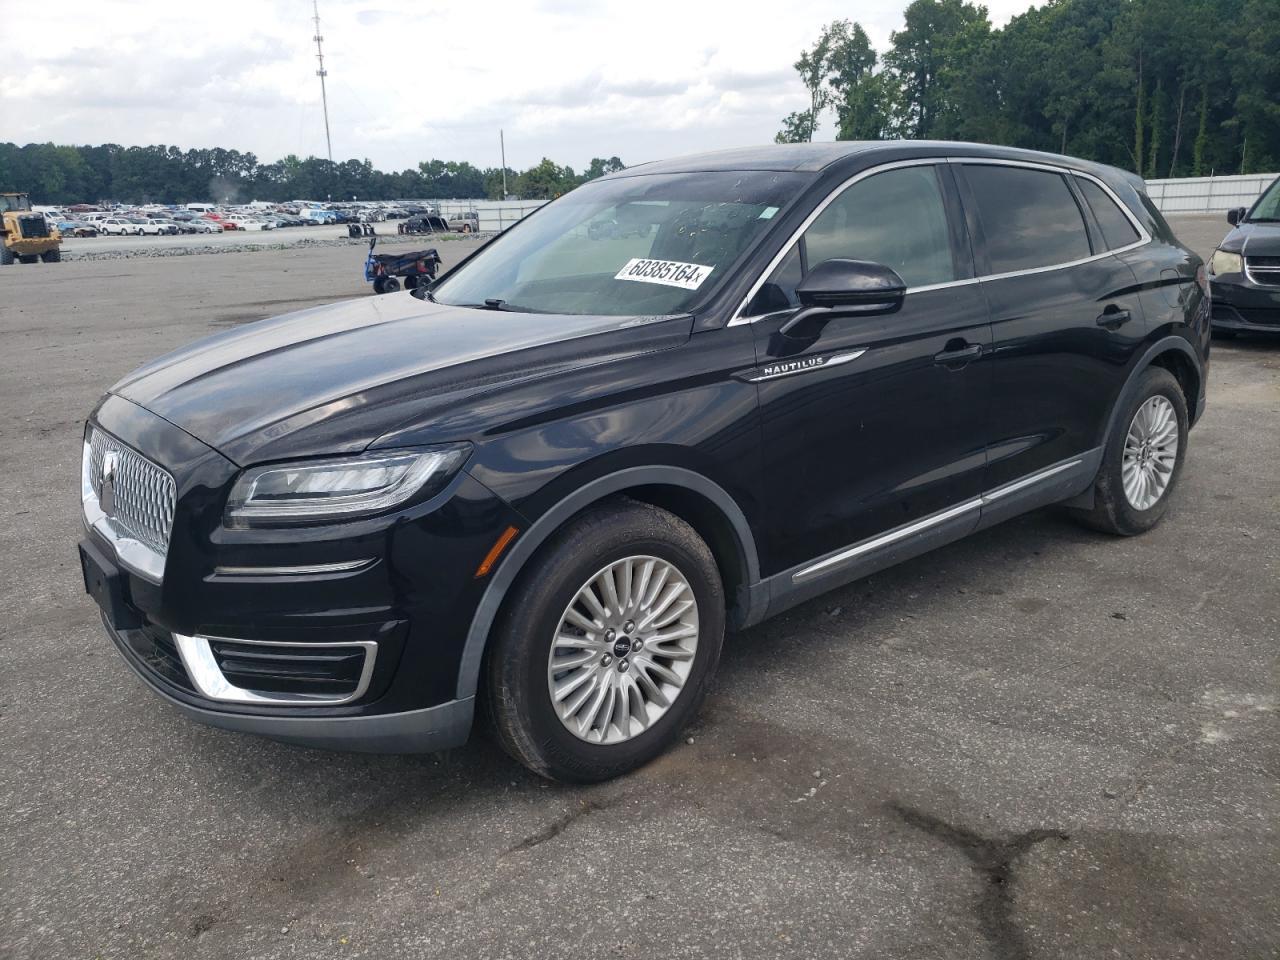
(879, 426)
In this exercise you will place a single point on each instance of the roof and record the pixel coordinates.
(815, 157)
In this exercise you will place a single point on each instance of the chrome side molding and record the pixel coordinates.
(882, 540)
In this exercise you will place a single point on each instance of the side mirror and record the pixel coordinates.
(837, 288)
(1235, 216)
(865, 286)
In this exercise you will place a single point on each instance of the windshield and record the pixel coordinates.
(1268, 205)
(15, 203)
(634, 245)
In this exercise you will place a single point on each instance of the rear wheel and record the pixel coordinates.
(390, 285)
(51, 256)
(1143, 459)
(28, 258)
(6, 256)
(608, 644)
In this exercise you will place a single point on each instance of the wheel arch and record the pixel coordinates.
(699, 501)
(1174, 354)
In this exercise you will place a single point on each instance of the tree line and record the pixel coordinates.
(1165, 88)
(56, 174)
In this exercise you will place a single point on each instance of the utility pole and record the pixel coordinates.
(502, 145)
(322, 73)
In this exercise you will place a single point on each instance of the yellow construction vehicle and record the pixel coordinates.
(26, 235)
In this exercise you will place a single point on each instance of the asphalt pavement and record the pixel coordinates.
(1040, 742)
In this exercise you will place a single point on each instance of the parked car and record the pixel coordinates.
(467, 221)
(1246, 269)
(148, 225)
(77, 228)
(242, 222)
(566, 469)
(117, 226)
(204, 225)
(423, 223)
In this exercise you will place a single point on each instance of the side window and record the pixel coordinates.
(897, 218)
(1029, 217)
(1117, 229)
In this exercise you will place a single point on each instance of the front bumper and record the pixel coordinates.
(402, 588)
(1241, 305)
(426, 730)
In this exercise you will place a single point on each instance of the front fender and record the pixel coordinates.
(554, 517)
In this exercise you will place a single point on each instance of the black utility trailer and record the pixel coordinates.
(383, 269)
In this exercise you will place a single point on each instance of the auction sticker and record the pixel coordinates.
(670, 273)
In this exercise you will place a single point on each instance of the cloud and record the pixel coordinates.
(568, 79)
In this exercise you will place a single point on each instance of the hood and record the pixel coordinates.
(1254, 239)
(332, 379)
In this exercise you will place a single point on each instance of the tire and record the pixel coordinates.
(6, 256)
(379, 284)
(604, 541)
(28, 258)
(52, 256)
(1115, 510)
(466, 228)
(390, 285)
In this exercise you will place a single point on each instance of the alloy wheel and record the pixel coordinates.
(1150, 452)
(623, 650)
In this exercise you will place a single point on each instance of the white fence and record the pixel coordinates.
(1208, 194)
(493, 214)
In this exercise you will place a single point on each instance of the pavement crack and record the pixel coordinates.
(995, 861)
(556, 826)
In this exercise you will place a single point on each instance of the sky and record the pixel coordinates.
(411, 81)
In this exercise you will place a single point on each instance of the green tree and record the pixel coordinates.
(796, 128)
(934, 32)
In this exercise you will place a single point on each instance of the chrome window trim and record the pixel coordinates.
(890, 537)
(1144, 237)
(210, 682)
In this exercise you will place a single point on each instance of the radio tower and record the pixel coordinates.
(322, 73)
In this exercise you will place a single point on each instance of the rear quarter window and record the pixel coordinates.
(1117, 229)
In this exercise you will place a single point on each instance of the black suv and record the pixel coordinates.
(678, 400)
(1246, 269)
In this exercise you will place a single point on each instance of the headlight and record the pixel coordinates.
(313, 491)
(1222, 262)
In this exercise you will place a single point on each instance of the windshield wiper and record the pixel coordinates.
(494, 303)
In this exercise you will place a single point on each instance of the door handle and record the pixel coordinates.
(1113, 317)
(958, 353)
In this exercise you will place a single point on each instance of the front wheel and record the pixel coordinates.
(6, 256)
(1143, 458)
(607, 645)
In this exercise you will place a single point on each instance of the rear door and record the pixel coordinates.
(880, 422)
(1066, 317)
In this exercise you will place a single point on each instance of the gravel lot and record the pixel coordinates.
(1039, 742)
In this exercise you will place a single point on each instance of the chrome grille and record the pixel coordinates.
(1263, 270)
(143, 494)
